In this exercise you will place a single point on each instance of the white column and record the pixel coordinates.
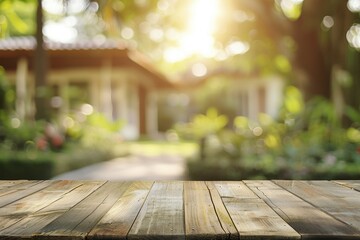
(21, 74)
(131, 129)
(253, 102)
(122, 98)
(30, 103)
(105, 90)
(274, 96)
(152, 113)
(135, 108)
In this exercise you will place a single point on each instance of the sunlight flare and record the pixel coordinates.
(198, 37)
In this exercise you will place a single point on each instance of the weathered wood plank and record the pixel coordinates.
(79, 220)
(14, 186)
(22, 191)
(37, 200)
(161, 216)
(6, 183)
(340, 202)
(36, 220)
(221, 212)
(353, 184)
(201, 220)
(253, 218)
(228, 189)
(14, 212)
(170, 210)
(307, 220)
(118, 220)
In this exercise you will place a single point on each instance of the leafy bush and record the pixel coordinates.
(99, 132)
(41, 150)
(26, 165)
(17, 135)
(306, 142)
(34, 164)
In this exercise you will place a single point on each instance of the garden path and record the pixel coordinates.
(130, 168)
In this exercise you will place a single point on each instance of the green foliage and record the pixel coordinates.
(40, 150)
(353, 115)
(291, 9)
(308, 141)
(293, 102)
(6, 96)
(283, 64)
(99, 132)
(26, 165)
(203, 125)
(17, 17)
(98, 120)
(18, 135)
(34, 164)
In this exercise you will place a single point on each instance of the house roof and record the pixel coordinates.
(29, 43)
(89, 53)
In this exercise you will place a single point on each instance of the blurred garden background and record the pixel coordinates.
(240, 89)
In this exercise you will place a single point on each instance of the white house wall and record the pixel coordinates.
(25, 109)
(132, 129)
(248, 90)
(274, 96)
(152, 113)
(105, 89)
(253, 102)
(120, 99)
(100, 82)
(21, 75)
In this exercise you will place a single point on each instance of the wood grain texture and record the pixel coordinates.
(39, 199)
(118, 220)
(79, 220)
(36, 220)
(221, 212)
(14, 212)
(307, 220)
(340, 202)
(353, 184)
(201, 220)
(14, 186)
(22, 191)
(7, 184)
(162, 215)
(179, 210)
(253, 218)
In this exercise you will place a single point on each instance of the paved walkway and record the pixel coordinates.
(164, 167)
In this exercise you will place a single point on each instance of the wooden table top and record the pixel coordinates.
(179, 210)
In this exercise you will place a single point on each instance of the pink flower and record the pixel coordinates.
(41, 143)
(57, 141)
(358, 149)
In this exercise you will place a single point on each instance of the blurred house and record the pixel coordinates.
(246, 94)
(104, 76)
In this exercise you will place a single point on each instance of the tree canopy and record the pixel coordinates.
(311, 43)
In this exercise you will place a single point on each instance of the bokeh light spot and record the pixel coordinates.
(354, 5)
(199, 70)
(328, 22)
(353, 36)
(15, 122)
(127, 33)
(87, 109)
